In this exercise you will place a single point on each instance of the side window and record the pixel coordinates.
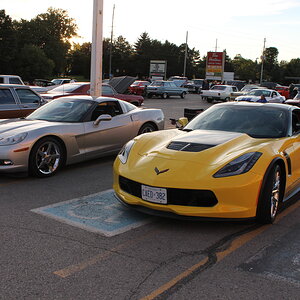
(1, 80)
(15, 80)
(6, 97)
(296, 122)
(112, 108)
(128, 106)
(107, 90)
(234, 89)
(27, 96)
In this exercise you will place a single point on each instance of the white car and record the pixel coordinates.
(270, 95)
(218, 92)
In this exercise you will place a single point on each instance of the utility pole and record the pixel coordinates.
(262, 62)
(185, 54)
(97, 44)
(111, 41)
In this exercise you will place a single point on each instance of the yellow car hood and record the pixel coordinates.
(207, 147)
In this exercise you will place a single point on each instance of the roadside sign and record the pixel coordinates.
(215, 65)
(158, 69)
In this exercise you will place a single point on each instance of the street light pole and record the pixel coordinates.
(97, 44)
(262, 62)
(111, 42)
(185, 54)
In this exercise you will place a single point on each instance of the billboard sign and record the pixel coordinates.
(158, 69)
(215, 65)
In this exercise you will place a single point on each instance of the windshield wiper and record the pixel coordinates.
(186, 129)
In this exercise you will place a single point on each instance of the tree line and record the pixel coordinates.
(42, 48)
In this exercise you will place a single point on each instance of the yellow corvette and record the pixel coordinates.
(233, 161)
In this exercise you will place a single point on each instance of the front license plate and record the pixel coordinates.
(153, 194)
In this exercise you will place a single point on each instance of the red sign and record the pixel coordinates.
(214, 64)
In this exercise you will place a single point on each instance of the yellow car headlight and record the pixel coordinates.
(240, 165)
(123, 154)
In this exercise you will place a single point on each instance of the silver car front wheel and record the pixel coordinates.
(46, 158)
(147, 128)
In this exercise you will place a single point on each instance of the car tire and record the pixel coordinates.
(226, 99)
(164, 95)
(271, 195)
(147, 127)
(149, 95)
(46, 157)
(209, 100)
(182, 95)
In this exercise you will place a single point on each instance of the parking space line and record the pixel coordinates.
(235, 244)
(66, 272)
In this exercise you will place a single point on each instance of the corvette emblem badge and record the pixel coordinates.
(160, 172)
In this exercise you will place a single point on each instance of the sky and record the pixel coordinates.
(238, 26)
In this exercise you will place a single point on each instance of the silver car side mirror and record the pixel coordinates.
(102, 118)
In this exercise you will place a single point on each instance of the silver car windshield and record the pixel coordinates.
(62, 110)
(265, 122)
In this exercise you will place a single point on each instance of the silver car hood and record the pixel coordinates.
(10, 127)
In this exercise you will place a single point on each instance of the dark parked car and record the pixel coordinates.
(165, 89)
(18, 101)
(83, 88)
(194, 86)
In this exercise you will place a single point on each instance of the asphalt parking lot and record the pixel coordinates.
(66, 237)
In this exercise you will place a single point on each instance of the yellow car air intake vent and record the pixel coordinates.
(189, 147)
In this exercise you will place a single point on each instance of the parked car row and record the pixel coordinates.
(224, 141)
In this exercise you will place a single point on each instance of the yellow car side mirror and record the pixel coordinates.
(183, 121)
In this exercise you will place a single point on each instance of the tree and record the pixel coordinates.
(143, 55)
(32, 62)
(8, 43)
(80, 60)
(51, 32)
(121, 57)
(290, 69)
(271, 66)
(245, 69)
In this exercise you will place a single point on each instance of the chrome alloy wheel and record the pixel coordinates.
(147, 129)
(275, 194)
(48, 157)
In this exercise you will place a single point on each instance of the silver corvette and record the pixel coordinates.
(69, 130)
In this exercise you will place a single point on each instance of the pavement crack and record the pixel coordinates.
(212, 258)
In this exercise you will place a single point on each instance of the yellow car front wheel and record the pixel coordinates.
(271, 195)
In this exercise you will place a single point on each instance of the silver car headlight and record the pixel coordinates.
(14, 139)
(240, 165)
(123, 154)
